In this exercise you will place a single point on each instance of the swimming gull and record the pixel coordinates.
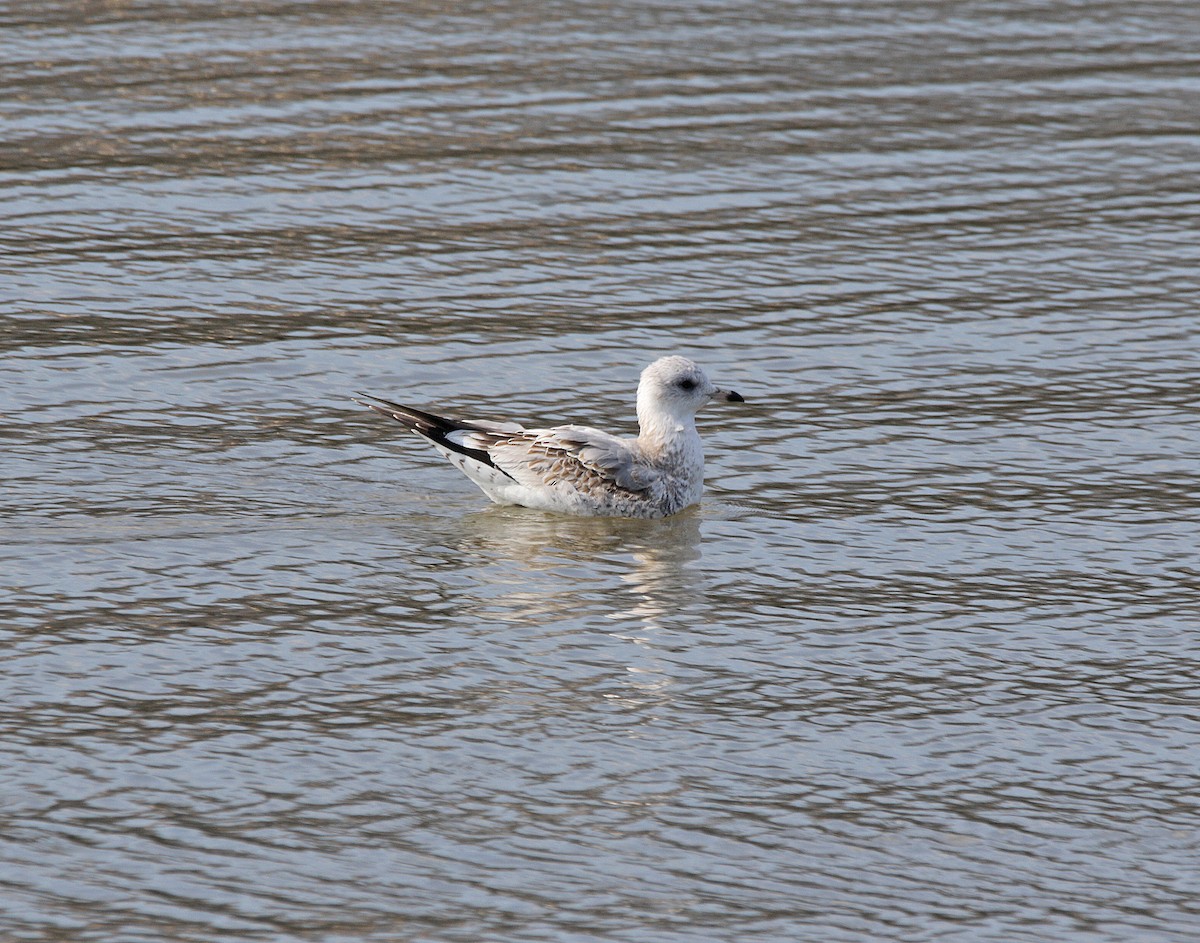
(580, 470)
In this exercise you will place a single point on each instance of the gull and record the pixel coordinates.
(580, 470)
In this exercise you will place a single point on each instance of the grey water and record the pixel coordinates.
(923, 664)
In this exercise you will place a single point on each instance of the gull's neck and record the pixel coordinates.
(667, 436)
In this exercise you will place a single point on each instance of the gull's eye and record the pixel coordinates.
(688, 384)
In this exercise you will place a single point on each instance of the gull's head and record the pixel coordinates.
(677, 387)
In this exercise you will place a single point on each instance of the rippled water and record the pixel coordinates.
(923, 664)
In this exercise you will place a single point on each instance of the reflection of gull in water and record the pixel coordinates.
(545, 555)
(574, 579)
(664, 584)
(580, 470)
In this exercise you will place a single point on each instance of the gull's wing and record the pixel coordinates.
(577, 456)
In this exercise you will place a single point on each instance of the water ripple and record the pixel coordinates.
(920, 667)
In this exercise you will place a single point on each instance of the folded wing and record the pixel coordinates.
(574, 456)
(566, 458)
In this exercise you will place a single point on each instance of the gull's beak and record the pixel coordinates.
(729, 396)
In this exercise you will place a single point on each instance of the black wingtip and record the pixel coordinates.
(434, 428)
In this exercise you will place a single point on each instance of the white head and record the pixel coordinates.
(670, 392)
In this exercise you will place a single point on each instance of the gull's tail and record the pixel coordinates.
(448, 436)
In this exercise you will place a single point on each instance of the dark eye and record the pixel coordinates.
(687, 384)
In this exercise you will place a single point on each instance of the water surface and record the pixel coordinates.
(921, 666)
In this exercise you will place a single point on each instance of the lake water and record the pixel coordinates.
(921, 667)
